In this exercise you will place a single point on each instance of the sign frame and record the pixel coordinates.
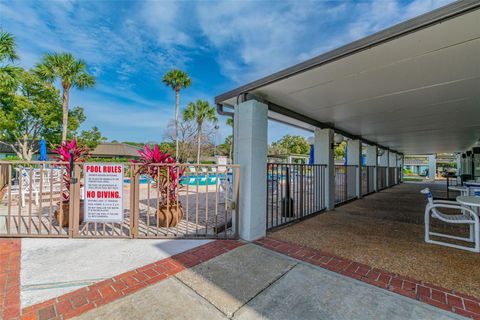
(118, 215)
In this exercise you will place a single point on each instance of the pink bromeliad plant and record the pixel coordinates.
(166, 176)
(63, 153)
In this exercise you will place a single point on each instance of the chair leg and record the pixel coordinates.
(472, 232)
(427, 225)
(476, 229)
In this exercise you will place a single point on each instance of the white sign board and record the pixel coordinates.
(103, 187)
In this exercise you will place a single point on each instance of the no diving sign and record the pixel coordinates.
(103, 192)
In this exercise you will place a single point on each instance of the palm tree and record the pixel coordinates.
(7, 47)
(200, 112)
(71, 73)
(8, 53)
(177, 79)
(230, 123)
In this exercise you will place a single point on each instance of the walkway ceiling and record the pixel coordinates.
(414, 88)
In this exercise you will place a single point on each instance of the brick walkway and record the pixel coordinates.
(10, 250)
(436, 296)
(98, 294)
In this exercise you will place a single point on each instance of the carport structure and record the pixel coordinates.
(413, 88)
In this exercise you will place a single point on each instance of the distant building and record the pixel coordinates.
(115, 150)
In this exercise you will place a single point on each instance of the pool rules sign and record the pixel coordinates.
(103, 198)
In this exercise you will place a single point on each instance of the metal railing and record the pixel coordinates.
(345, 183)
(368, 182)
(294, 191)
(381, 178)
(31, 202)
(392, 176)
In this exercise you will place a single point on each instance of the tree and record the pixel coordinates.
(177, 79)
(291, 144)
(200, 112)
(186, 138)
(230, 123)
(91, 138)
(339, 150)
(8, 54)
(71, 73)
(30, 110)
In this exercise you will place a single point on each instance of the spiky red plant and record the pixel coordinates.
(167, 177)
(64, 151)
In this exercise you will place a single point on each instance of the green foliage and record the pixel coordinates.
(7, 47)
(29, 111)
(339, 150)
(168, 147)
(64, 67)
(291, 145)
(200, 112)
(225, 148)
(71, 73)
(177, 79)
(8, 54)
(91, 138)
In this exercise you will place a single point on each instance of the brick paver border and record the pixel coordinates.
(433, 295)
(10, 250)
(98, 294)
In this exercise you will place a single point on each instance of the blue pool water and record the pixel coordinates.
(192, 180)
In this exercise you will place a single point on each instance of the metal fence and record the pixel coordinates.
(345, 183)
(392, 176)
(368, 179)
(32, 202)
(294, 191)
(381, 178)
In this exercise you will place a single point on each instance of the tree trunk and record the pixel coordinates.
(177, 103)
(199, 142)
(65, 114)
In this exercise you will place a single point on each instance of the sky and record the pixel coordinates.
(129, 45)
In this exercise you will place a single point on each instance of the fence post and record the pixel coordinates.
(236, 181)
(134, 202)
(74, 201)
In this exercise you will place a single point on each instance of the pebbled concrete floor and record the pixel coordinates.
(251, 282)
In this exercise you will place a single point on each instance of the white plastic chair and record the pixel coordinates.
(468, 216)
(24, 191)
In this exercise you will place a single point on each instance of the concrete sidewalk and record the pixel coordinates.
(251, 282)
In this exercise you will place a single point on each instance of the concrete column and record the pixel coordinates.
(402, 163)
(251, 154)
(432, 166)
(458, 160)
(383, 162)
(323, 154)
(354, 157)
(392, 159)
(372, 160)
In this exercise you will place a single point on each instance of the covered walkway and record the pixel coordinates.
(385, 230)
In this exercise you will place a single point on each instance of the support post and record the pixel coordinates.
(354, 158)
(432, 166)
(372, 161)
(383, 162)
(323, 154)
(251, 154)
(392, 163)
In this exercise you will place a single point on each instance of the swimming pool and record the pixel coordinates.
(192, 179)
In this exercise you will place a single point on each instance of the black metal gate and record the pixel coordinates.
(294, 191)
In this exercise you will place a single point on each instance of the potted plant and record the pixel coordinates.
(64, 151)
(167, 180)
